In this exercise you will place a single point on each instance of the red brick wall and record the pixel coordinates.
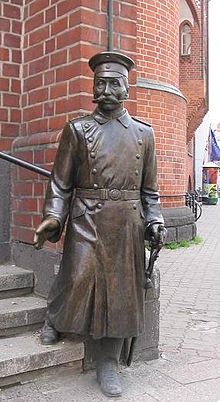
(59, 38)
(157, 40)
(167, 113)
(158, 61)
(10, 65)
(193, 70)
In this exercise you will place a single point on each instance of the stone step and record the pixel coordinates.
(22, 354)
(15, 281)
(21, 314)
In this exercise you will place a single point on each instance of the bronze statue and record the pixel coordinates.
(104, 181)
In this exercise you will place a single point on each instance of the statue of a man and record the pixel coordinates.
(104, 180)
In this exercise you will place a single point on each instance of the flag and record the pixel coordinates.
(212, 150)
(215, 150)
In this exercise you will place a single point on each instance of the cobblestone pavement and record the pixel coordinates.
(189, 367)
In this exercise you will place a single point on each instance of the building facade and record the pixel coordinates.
(45, 80)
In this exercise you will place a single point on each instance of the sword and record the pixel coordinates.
(155, 248)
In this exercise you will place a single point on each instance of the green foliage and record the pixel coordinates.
(197, 240)
(184, 243)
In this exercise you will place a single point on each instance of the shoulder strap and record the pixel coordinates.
(142, 122)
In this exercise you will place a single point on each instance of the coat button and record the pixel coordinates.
(90, 139)
(140, 142)
(138, 156)
(94, 171)
(136, 172)
(140, 128)
(134, 206)
(134, 187)
(95, 186)
(99, 205)
(87, 125)
(92, 154)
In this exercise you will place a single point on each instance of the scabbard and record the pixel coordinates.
(131, 351)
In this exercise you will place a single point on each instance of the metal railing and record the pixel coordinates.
(24, 164)
(193, 202)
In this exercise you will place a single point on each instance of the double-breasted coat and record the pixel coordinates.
(104, 182)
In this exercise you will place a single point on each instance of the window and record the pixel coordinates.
(186, 37)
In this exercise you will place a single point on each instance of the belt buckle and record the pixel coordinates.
(115, 194)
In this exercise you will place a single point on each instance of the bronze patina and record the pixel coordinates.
(104, 184)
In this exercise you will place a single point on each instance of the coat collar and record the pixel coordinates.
(124, 118)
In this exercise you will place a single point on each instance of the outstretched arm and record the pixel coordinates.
(59, 189)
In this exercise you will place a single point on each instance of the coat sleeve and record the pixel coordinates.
(61, 183)
(149, 189)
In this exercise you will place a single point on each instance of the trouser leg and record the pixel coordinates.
(108, 352)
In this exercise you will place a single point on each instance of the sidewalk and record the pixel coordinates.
(189, 367)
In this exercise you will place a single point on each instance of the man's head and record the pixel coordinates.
(111, 79)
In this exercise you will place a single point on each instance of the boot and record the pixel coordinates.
(107, 366)
(49, 335)
(108, 378)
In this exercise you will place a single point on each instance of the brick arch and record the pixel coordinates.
(193, 8)
(185, 22)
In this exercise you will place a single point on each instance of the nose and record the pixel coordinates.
(107, 90)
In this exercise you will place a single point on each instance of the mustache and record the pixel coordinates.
(107, 99)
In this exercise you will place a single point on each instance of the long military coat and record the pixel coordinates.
(99, 288)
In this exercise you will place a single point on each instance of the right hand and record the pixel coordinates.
(157, 233)
(44, 231)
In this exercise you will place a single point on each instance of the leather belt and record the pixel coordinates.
(108, 194)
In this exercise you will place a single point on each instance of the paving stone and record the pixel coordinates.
(189, 373)
(26, 392)
(180, 395)
(209, 388)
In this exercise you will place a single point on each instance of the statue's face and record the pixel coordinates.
(110, 92)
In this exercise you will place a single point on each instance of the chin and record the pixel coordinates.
(109, 107)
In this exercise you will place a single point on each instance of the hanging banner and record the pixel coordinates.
(210, 183)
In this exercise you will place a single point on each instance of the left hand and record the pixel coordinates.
(44, 230)
(157, 233)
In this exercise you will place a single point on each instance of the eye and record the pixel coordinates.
(116, 83)
(100, 83)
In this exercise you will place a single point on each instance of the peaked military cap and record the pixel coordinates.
(111, 63)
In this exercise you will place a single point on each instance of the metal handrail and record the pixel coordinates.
(192, 201)
(24, 164)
